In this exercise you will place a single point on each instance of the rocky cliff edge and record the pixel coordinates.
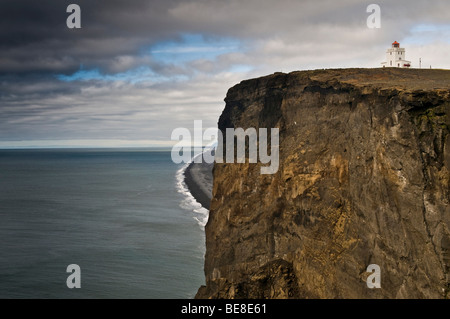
(363, 179)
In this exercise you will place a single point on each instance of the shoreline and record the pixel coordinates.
(199, 179)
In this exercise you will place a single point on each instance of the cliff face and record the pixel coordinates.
(363, 179)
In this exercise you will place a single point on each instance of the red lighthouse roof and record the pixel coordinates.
(395, 42)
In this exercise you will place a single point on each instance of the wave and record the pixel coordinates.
(189, 203)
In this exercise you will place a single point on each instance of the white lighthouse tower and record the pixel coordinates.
(395, 57)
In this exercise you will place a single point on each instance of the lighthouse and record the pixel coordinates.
(395, 57)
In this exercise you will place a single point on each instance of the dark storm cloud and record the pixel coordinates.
(34, 36)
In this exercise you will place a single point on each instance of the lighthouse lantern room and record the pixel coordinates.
(395, 57)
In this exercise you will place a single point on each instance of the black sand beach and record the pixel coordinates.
(199, 180)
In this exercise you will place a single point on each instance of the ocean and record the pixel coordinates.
(124, 216)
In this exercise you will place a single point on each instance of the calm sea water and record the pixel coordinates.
(122, 215)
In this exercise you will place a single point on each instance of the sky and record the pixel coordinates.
(138, 69)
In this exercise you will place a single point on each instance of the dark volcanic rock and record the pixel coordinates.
(363, 179)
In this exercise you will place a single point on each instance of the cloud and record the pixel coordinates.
(96, 109)
(137, 69)
(34, 37)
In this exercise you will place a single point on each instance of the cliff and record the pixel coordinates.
(363, 179)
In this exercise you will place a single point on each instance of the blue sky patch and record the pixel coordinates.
(426, 33)
(193, 47)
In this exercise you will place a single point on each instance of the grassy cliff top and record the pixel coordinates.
(408, 79)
